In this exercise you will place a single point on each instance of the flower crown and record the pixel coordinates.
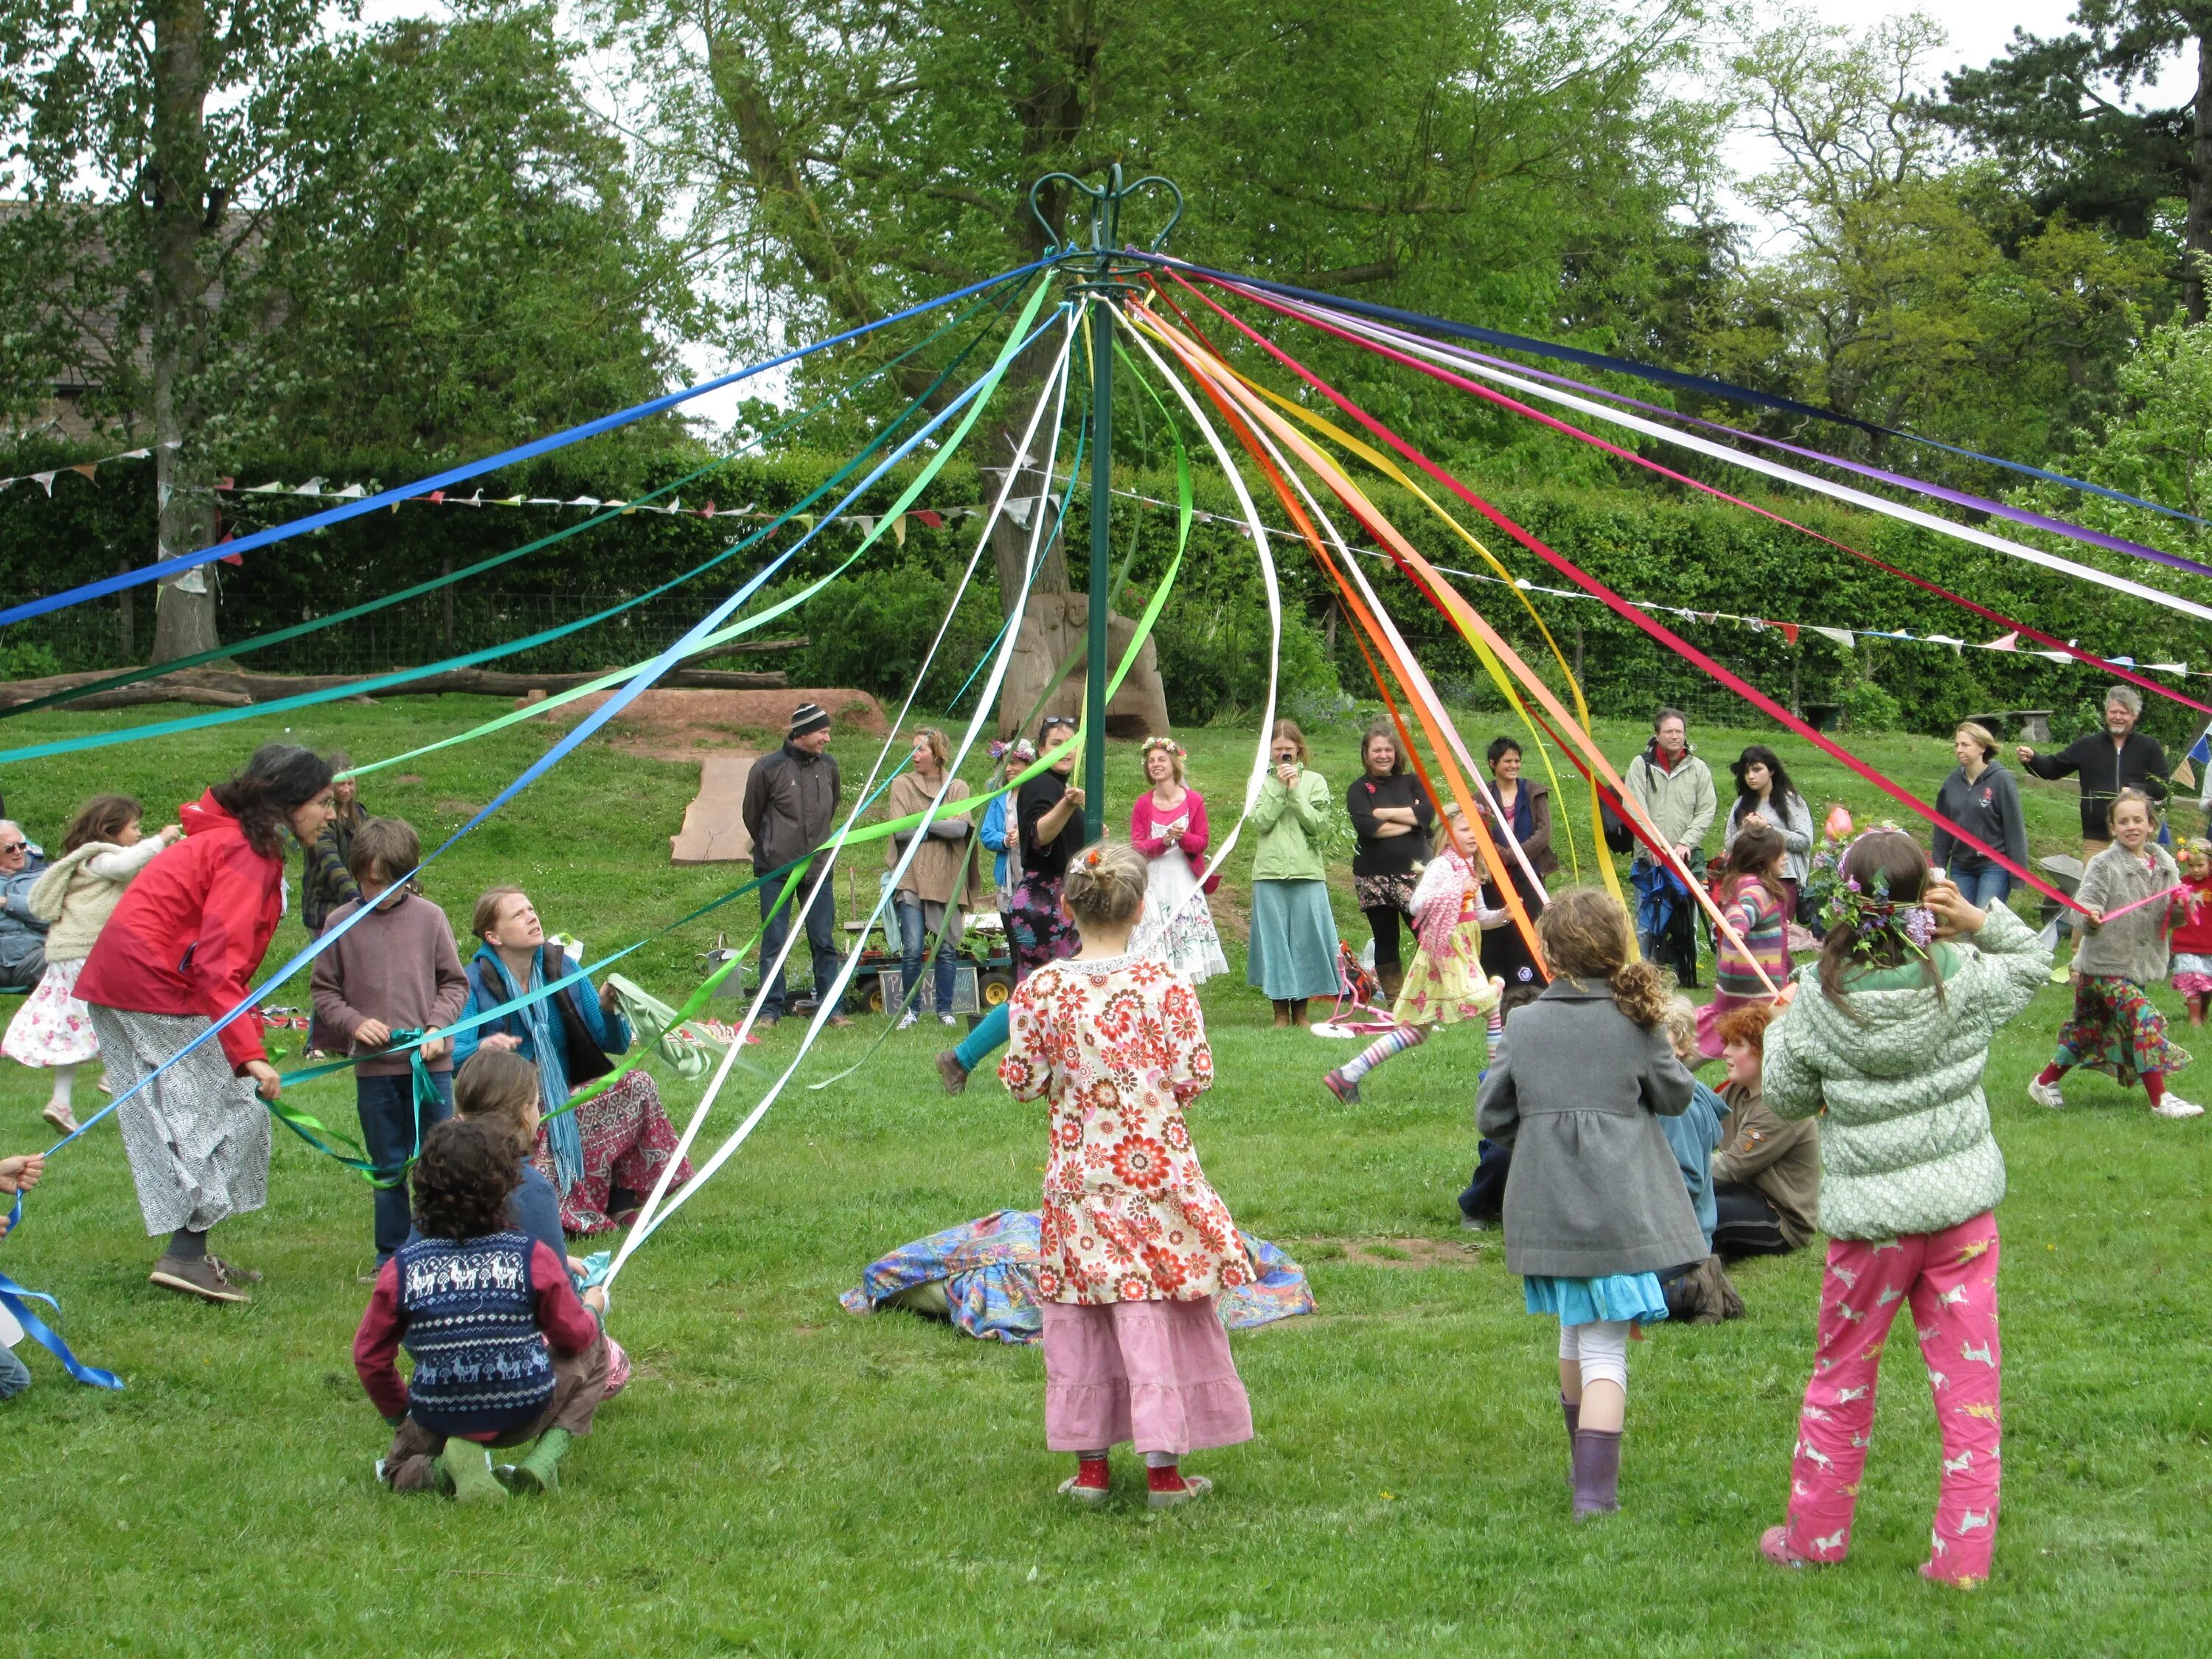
(1145, 747)
(1021, 749)
(1867, 914)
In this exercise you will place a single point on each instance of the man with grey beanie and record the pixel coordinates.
(790, 805)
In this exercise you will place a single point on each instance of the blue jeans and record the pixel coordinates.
(914, 932)
(390, 1133)
(15, 1375)
(1484, 1197)
(821, 919)
(1990, 885)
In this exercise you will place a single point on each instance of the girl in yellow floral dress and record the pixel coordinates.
(1446, 983)
(1136, 1244)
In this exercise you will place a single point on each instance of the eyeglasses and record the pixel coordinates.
(16, 846)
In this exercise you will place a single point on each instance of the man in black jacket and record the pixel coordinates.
(2118, 757)
(790, 806)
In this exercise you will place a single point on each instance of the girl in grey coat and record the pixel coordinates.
(1594, 1206)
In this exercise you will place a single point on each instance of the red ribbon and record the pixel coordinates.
(1590, 584)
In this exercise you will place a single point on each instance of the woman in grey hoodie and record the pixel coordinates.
(1982, 799)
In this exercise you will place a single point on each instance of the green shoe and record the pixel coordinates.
(468, 1467)
(540, 1472)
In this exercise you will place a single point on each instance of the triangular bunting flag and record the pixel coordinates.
(898, 529)
(1838, 636)
(2004, 642)
(44, 480)
(934, 521)
(85, 468)
(1788, 631)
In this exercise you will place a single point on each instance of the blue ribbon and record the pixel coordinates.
(1705, 386)
(536, 446)
(15, 1297)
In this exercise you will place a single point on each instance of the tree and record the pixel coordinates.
(852, 156)
(409, 244)
(1911, 290)
(2056, 112)
(132, 145)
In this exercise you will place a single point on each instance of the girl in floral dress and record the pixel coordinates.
(1135, 1243)
(1446, 984)
(75, 896)
(1168, 826)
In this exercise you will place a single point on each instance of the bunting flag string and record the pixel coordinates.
(85, 469)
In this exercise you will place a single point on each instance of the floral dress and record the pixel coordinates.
(1118, 1049)
(1446, 983)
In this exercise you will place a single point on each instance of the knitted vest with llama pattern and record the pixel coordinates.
(472, 1322)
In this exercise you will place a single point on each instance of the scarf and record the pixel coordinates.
(548, 1047)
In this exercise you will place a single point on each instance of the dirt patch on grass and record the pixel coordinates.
(682, 725)
(1411, 1254)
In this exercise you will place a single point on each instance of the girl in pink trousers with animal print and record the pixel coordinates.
(1888, 1038)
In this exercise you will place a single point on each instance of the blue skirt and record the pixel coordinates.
(1633, 1296)
(1292, 953)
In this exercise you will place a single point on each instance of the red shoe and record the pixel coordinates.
(1342, 1087)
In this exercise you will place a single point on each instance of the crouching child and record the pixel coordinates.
(506, 1353)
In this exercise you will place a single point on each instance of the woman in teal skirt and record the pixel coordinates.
(1292, 957)
(1594, 1206)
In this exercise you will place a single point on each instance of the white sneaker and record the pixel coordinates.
(2045, 1094)
(947, 1019)
(2175, 1106)
(908, 1020)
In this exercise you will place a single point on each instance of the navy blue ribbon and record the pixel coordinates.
(1704, 385)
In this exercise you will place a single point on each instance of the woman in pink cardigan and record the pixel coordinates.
(1167, 825)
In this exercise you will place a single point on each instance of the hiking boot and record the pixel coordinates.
(954, 1074)
(203, 1279)
(2175, 1106)
(1342, 1087)
(839, 1021)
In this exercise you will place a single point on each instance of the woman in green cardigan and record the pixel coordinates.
(1293, 950)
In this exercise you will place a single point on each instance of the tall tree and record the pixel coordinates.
(1908, 290)
(2059, 112)
(133, 149)
(855, 156)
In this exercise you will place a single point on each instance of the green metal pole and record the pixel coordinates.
(1102, 484)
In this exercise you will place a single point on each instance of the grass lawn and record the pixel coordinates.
(783, 1478)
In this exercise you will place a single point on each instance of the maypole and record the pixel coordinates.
(1107, 282)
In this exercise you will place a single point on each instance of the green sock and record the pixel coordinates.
(542, 1467)
(468, 1468)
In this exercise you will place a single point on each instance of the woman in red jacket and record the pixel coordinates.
(179, 953)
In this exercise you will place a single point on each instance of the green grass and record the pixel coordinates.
(783, 1478)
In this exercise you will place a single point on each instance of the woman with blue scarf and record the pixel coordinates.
(604, 1158)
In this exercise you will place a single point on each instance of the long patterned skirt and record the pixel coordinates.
(198, 1140)
(2114, 1030)
(1042, 934)
(627, 1140)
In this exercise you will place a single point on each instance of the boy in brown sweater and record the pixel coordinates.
(396, 970)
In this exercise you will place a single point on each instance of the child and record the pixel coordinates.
(499, 1087)
(1754, 896)
(504, 1352)
(1698, 1291)
(396, 970)
(1888, 1039)
(17, 1174)
(1135, 1242)
(2114, 1028)
(75, 896)
(1594, 1206)
(1446, 983)
(2192, 928)
(1766, 1177)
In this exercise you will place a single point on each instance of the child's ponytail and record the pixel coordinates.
(1641, 991)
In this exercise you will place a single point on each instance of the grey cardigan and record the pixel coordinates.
(2135, 946)
(1595, 1189)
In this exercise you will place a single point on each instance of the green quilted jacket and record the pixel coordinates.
(1905, 1145)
